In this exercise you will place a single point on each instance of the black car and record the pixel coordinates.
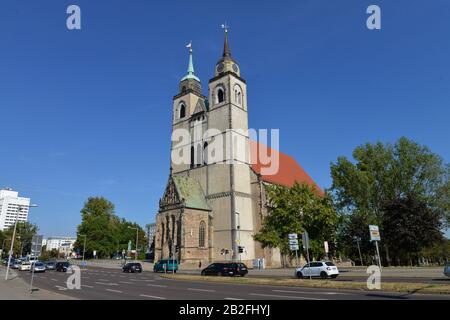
(132, 267)
(62, 266)
(225, 269)
(50, 265)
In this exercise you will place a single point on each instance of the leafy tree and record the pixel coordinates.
(294, 210)
(381, 175)
(409, 227)
(24, 234)
(105, 233)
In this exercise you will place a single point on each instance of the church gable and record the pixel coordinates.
(200, 107)
(191, 193)
(171, 196)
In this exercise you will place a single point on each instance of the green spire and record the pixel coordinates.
(190, 71)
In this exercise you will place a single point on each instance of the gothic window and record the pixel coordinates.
(201, 235)
(237, 95)
(192, 157)
(182, 111)
(220, 94)
(205, 153)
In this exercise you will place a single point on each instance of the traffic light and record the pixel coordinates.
(240, 249)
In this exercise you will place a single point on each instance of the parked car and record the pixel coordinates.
(447, 269)
(225, 269)
(15, 264)
(38, 267)
(25, 266)
(50, 265)
(168, 265)
(322, 269)
(62, 266)
(132, 267)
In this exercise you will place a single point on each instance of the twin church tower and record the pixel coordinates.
(211, 209)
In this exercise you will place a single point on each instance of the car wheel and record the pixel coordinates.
(323, 275)
(219, 274)
(140, 271)
(334, 276)
(203, 273)
(174, 271)
(299, 275)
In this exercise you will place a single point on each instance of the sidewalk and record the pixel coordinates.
(16, 288)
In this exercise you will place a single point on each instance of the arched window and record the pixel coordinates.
(237, 95)
(220, 95)
(205, 153)
(201, 235)
(182, 111)
(192, 157)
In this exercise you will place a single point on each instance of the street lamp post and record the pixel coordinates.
(84, 246)
(358, 239)
(19, 209)
(137, 234)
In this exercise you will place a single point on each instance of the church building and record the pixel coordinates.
(210, 210)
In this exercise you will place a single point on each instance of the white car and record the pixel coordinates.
(25, 266)
(447, 269)
(317, 269)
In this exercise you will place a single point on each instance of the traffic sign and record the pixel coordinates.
(293, 247)
(374, 233)
(293, 242)
(292, 236)
(36, 245)
(305, 240)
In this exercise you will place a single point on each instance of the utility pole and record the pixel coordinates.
(19, 209)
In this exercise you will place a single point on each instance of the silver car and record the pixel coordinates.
(38, 267)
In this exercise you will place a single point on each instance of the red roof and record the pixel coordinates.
(289, 171)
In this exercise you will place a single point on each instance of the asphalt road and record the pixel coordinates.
(111, 284)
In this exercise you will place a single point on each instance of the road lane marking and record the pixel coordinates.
(205, 290)
(157, 285)
(126, 282)
(103, 280)
(232, 299)
(85, 285)
(61, 288)
(117, 291)
(106, 284)
(152, 297)
(289, 297)
(306, 292)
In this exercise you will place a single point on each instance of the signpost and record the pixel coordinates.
(293, 245)
(375, 236)
(305, 241)
(36, 247)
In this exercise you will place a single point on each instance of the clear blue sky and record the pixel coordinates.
(88, 112)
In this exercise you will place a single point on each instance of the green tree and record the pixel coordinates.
(410, 226)
(24, 234)
(294, 210)
(105, 232)
(380, 175)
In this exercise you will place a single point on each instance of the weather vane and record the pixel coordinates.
(225, 26)
(189, 45)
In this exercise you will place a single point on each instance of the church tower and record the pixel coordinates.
(208, 205)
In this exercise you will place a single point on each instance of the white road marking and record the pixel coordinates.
(206, 290)
(85, 285)
(157, 285)
(232, 299)
(306, 292)
(61, 288)
(103, 280)
(53, 279)
(106, 284)
(117, 291)
(289, 297)
(153, 297)
(126, 282)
